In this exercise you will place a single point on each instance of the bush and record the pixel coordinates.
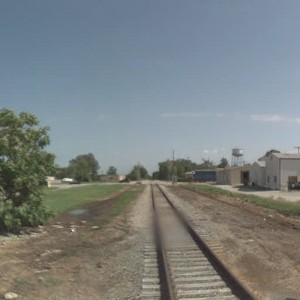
(24, 165)
(32, 213)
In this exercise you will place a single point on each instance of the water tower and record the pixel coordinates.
(237, 157)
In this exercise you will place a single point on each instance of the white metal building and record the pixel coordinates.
(258, 173)
(281, 170)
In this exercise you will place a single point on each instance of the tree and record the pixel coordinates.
(223, 163)
(164, 169)
(62, 172)
(112, 171)
(24, 165)
(138, 172)
(206, 164)
(268, 153)
(179, 167)
(84, 167)
(155, 175)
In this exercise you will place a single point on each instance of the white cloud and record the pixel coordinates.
(192, 115)
(274, 118)
(214, 151)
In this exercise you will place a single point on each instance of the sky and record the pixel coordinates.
(130, 80)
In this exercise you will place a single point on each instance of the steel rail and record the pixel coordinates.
(238, 289)
(167, 291)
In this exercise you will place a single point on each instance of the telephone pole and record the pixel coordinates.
(174, 171)
(298, 148)
(138, 172)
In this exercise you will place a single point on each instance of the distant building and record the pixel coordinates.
(121, 177)
(112, 178)
(258, 173)
(282, 171)
(51, 181)
(278, 171)
(233, 175)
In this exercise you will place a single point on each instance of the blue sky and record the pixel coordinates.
(131, 80)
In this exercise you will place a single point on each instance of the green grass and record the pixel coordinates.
(66, 199)
(51, 281)
(280, 206)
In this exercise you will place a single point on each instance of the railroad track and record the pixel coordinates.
(179, 265)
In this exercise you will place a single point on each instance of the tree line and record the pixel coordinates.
(85, 168)
(180, 167)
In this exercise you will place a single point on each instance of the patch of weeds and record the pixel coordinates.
(51, 281)
(22, 283)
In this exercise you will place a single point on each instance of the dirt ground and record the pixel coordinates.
(76, 257)
(261, 248)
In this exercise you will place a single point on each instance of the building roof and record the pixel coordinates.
(245, 167)
(263, 158)
(287, 155)
(261, 163)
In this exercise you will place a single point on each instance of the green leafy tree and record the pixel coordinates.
(223, 163)
(165, 169)
(206, 164)
(112, 171)
(84, 167)
(63, 172)
(268, 153)
(138, 172)
(24, 165)
(177, 167)
(155, 175)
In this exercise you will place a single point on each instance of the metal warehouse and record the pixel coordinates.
(282, 171)
(258, 173)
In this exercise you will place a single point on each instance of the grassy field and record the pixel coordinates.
(283, 207)
(65, 199)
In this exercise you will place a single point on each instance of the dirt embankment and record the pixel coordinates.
(261, 247)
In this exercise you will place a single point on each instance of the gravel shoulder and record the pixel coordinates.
(261, 249)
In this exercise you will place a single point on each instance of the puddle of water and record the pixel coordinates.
(78, 212)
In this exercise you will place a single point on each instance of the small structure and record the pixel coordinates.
(233, 175)
(50, 180)
(112, 178)
(258, 173)
(282, 171)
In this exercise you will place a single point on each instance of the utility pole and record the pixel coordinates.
(174, 176)
(138, 172)
(298, 148)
